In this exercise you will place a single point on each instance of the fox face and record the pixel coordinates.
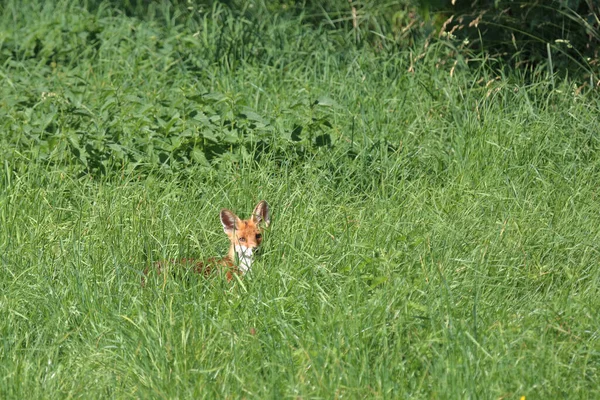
(245, 235)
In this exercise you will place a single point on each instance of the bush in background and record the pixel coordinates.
(560, 35)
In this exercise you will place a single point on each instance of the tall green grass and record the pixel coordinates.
(435, 232)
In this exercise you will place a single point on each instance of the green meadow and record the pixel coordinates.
(435, 219)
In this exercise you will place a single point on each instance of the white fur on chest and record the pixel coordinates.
(244, 255)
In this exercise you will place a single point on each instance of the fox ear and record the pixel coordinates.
(229, 220)
(261, 213)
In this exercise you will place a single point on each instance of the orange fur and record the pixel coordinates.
(245, 236)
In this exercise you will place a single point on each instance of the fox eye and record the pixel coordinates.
(258, 235)
(242, 240)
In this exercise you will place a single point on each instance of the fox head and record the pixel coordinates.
(245, 235)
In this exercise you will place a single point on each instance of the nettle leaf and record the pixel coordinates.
(231, 136)
(244, 154)
(161, 122)
(110, 100)
(229, 157)
(171, 124)
(209, 134)
(298, 104)
(131, 98)
(321, 122)
(200, 116)
(43, 149)
(197, 98)
(175, 142)
(199, 157)
(117, 149)
(53, 141)
(325, 102)
(377, 281)
(214, 97)
(253, 116)
(82, 112)
(187, 133)
(142, 112)
(76, 149)
(73, 138)
(46, 120)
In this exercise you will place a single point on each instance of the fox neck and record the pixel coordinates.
(241, 256)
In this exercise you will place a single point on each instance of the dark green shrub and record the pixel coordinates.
(560, 34)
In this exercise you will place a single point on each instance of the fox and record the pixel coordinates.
(245, 237)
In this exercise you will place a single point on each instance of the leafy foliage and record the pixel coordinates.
(70, 114)
(435, 219)
(76, 93)
(559, 34)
